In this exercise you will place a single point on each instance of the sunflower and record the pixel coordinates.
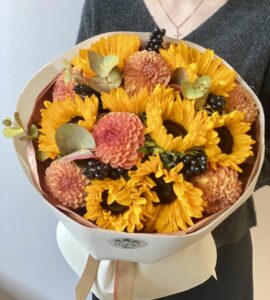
(172, 202)
(114, 204)
(118, 100)
(58, 113)
(201, 63)
(234, 145)
(177, 126)
(121, 45)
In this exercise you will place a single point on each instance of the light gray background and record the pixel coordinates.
(32, 32)
(31, 266)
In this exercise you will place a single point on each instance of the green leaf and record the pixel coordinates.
(150, 143)
(7, 122)
(33, 131)
(26, 138)
(115, 77)
(202, 83)
(102, 65)
(41, 156)
(95, 61)
(78, 155)
(109, 62)
(196, 90)
(68, 71)
(72, 137)
(200, 102)
(106, 84)
(18, 119)
(67, 65)
(157, 150)
(179, 75)
(189, 91)
(144, 150)
(11, 132)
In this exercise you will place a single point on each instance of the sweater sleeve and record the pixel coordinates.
(86, 22)
(264, 177)
(264, 96)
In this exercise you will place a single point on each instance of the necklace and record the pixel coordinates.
(177, 27)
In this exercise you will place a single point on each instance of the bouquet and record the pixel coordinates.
(135, 134)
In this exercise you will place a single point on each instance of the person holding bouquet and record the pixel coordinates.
(238, 31)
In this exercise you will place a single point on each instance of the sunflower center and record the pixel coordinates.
(163, 190)
(75, 120)
(174, 128)
(115, 208)
(226, 139)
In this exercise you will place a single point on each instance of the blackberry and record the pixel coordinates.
(96, 169)
(195, 162)
(155, 40)
(83, 90)
(217, 103)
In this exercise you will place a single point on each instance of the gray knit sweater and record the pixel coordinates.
(239, 32)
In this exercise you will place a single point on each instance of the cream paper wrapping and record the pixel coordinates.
(110, 245)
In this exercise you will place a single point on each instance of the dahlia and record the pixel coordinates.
(62, 90)
(240, 99)
(145, 69)
(221, 188)
(66, 183)
(118, 135)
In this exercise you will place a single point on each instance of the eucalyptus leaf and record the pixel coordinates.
(67, 65)
(7, 122)
(26, 138)
(78, 155)
(189, 91)
(33, 131)
(144, 150)
(115, 77)
(109, 62)
(41, 156)
(106, 84)
(72, 137)
(179, 75)
(67, 77)
(68, 71)
(203, 83)
(200, 102)
(95, 61)
(11, 132)
(193, 93)
(18, 119)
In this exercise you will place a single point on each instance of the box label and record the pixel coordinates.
(127, 243)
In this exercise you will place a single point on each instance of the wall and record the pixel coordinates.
(31, 266)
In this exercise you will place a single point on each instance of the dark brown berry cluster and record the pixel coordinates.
(155, 40)
(217, 103)
(83, 90)
(195, 162)
(96, 169)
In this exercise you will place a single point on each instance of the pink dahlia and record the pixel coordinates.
(221, 188)
(66, 183)
(240, 99)
(61, 90)
(118, 135)
(145, 69)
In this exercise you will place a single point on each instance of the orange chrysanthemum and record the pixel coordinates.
(118, 135)
(221, 188)
(62, 90)
(66, 183)
(145, 69)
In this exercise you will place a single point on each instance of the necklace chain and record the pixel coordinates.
(177, 27)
